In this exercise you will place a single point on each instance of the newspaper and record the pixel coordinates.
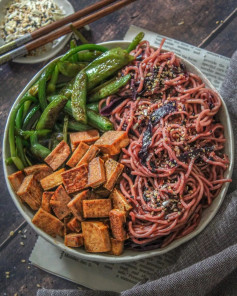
(119, 277)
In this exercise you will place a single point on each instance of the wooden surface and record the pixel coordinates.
(198, 20)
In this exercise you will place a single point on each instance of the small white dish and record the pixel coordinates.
(57, 44)
(128, 255)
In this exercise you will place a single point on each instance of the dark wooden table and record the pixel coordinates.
(210, 24)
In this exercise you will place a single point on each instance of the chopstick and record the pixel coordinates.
(24, 49)
(55, 25)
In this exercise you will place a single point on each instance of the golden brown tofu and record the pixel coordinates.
(52, 180)
(96, 174)
(112, 142)
(89, 155)
(117, 221)
(75, 205)
(40, 171)
(48, 223)
(57, 157)
(88, 137)
(73, 240)
(66, 230)
(30, 192)
(16, 179)
(119, 201)
(96, 236)
(76, 179)
(74, 225)
(45, 203)
(116, 247)
(59, 202)
(77, 155)
(113, 170)
(97, 208)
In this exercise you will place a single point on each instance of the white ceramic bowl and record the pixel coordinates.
(128, 255)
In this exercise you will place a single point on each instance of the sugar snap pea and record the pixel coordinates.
(73, 44)
(30, 115)
(37, 149)
(100, 122)
(54, 78)
(93, 106)
(28, 133)
(137, 39)
(65, 128)
(88, 56)
(19, 144)
(70, 69)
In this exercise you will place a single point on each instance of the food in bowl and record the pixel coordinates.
(164, 157)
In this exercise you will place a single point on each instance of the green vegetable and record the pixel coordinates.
(73, 44)
(77, 126)
(42, 85)
(8, 161)
(109, 89)
(51, 112)
(67, 89)
(54, 78)
(30, 115)
(37, 149)
(100, 122)
(27, 134)
(93, 106)
(78, 100)
(65, 128)
(79, 35)
(19, 144)
(106, 65)
(88, 56)
(70, 69)
(137, 39)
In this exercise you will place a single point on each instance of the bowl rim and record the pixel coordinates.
(134, 255)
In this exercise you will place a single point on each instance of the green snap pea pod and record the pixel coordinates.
(70, 69)
(73, 44)
(39, 133)
(93, 106)
(88, 56)
(65, 128)
(51, 112)
(8, 161)
(67, 90)
(137, 39)
(106, 65)
(52, 83)
(30, 115)
(74, 125)
(26, 108)
(17, 161)
(78, 100)
(82, 47)
(28, 161)
(34, 89)
(19, 144)
(100, 122)
(42, 85)
(60, 85)
(109, 89)
(79, 35)
(37, 149)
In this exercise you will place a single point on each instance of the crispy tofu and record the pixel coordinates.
(97, 208)
(45, 203)
(112, 142)
(40, 171)
(16, 179)
(117, 221)
(66, 230)
(87, 137)
(58, 156)
(113, 170)
(89, 155)
(119, 201)
(96, 174)
(116, 247)
(73, 240)
(96, 236)
(53, 180)
(59, 202)
(75, 179)
(77, 155)
(48, 223)
(75, 205)
(74, 225)
(30, 192)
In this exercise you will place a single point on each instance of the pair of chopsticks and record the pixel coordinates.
(47, 34)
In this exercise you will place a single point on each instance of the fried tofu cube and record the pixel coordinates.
(77, 155)
(112, 142)
(116, 247)
(113, 170)
(87, 137)
(45, 203)
(89, 155)
(117, 221)
(74, 225)
(30, 192)
(52, 180)
(48, 223)
(16, 179)
(96, 236)
(75, 205)
(40, 171)
(97, 208)
(119, 201)
(58, 156)
(96, 175)
(59, 202)
(73, 240)
(75, 179)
